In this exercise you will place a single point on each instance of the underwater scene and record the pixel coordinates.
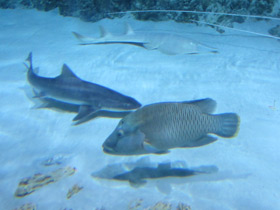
(139, 105)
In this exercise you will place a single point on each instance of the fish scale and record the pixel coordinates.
(178, 127)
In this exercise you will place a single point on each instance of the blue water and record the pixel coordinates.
(243, 77)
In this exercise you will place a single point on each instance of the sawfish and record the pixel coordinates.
(166, 42)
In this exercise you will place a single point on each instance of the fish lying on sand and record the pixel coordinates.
(138, 175)
(165, 42)
(143, 172)
(156, 128)
(69, 88)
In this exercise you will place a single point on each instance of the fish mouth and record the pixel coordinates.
(111, 151)
(108, 150)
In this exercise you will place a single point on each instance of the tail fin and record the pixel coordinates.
(229, 125)
(29, 60)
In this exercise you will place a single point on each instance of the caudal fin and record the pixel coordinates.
(229, 125)
(29, 60)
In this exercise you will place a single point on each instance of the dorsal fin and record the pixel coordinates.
(164, 166)
(144, 161)
(136, 182)
(67, 72)
(103, 32)
(129, 30)
(206, 105)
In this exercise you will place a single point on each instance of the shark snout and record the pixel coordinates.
(132, 103)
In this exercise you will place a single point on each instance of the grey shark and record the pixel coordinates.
(69, 88)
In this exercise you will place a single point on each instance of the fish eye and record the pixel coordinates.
(120, 133)
(121, 122)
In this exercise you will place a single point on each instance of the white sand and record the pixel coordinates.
(244, 77)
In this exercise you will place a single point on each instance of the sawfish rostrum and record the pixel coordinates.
(156, 128)
(69, 88)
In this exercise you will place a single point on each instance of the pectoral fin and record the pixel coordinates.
(151, 149)
(42, 105)
(137, 182)
(84, 111)
(206, 105)
(164, 166)
(202, 141)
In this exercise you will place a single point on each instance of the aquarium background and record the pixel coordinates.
(243, 77)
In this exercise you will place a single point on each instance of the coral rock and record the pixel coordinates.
(30, 184)
(74, 190)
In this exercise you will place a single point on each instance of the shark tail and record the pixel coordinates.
(29, 60)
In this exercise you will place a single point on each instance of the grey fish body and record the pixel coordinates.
(139, 175)
(164, 175)
(171, 125)
(174, 125)
(153, 173)
(69, 88)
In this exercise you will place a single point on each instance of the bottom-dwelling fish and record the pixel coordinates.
(158, 127)
(143, 172)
